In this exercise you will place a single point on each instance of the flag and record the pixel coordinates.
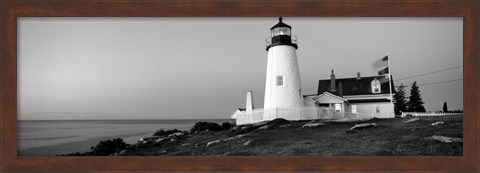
(384, 80)
(385, 58)
(383, 71)
(381, 62)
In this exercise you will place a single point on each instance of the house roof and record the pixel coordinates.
(369, 100)
(328, 94)
(234, 115)
(355, 86)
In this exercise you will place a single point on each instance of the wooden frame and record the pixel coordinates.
(10, 10)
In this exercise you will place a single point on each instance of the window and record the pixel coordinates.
(354, 108)
(323, 105)
(284, 31)
(338, 107)
(376, 88)
(281, 31)
(275, 32)
(279, 80)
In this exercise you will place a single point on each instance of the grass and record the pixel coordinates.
(391, 137)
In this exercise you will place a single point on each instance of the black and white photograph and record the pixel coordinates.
(240, 86)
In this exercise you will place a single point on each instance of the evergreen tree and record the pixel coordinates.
(415, 103)
(445, 108)
(399, 99)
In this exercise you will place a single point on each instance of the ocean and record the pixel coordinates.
(52, 137)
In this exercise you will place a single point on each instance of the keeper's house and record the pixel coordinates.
(364, 96)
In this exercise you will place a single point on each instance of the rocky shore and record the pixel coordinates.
(412, 136)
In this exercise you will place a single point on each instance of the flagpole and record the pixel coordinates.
(390, 83)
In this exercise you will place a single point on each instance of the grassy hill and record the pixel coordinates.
(390, 137)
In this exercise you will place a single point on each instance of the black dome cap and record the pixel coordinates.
(280, 24)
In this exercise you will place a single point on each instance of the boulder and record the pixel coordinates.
(151, 138)
(245, 129)
(123, 152)
(176, 134)
(212, 142)
(160, 139)
(248, 142)
(312, 125)
(241, 135)
(445, 139)
(119, 153)
(412, 120)
(362, 126)
(437, 123)
(228, 139)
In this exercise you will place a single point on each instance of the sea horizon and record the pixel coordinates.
(52, 137)
(120, 119)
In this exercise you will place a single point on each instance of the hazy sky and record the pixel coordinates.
(177, 68)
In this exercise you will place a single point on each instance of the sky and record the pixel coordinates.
(202, 67)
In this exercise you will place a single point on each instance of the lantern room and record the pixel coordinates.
(281, 34)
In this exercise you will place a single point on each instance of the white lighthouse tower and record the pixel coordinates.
(283, 87)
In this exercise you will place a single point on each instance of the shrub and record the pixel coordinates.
(162, 132)
(111, 146)
(74, 154)
(203, 126)
(226, 125)
(103, 148)
(397, 112)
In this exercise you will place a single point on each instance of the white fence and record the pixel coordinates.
(300, 113)
(419, 114)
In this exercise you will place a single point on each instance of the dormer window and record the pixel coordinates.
(376, 86)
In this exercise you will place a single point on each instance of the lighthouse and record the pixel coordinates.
(282, 86)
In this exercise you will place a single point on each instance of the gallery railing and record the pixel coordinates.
(268, 40)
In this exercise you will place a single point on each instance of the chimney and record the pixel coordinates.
(358, 76)
(249, 106)
(332, 82)
(340, 89)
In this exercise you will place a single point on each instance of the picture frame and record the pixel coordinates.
(11, 10)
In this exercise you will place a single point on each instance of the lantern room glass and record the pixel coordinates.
(281, 31)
